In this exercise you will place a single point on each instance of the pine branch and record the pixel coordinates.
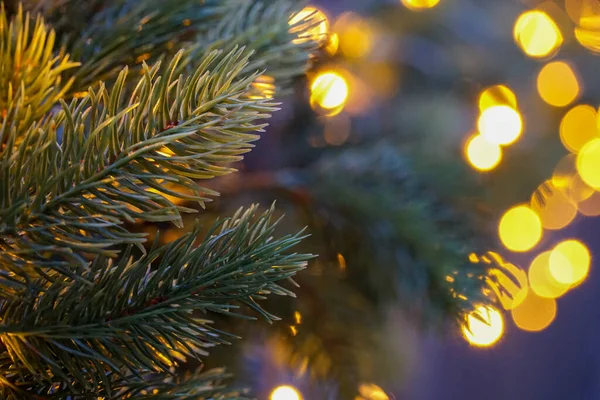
(30, 72)
(136, 317)
(73, 180)
(127, 32)
(265, 28)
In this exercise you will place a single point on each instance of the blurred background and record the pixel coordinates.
(430, 140)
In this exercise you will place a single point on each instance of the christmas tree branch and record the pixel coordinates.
(104, 159)
(137, 315)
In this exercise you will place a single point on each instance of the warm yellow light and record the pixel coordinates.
(590, 207)
(588, 163)
(566, 178)
(485, 330)
(557, 84)
(588, 38)
(553, 207)
(535, 313)
(536, 34)
(570, 262)
(285, 393)
(370, 391)
(329, 91)
(541, 280)
(501, 125)
(509, 283)
(578, 127)
(332, 44)
(520, 228)
(262, 88)
(481, 154)
(315, 20)
(498, 95)
(419, 5)
(584, 13)
(356, 35)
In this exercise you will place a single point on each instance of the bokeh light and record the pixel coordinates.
(498, 95)
(537, 34)
(316, 19)
(329, 91)
(484, 326)
(370, 391)
(590, 207)
(535, 313)
(356, 35)
(557, 84)
(553, 207)
(481, 154)
(337, 129)
(520, 228)
(584, 13)
(419, 5)
(285, 393)
(570, 262)
(508, 282)
(332, 44)
(588, 163)
(578, 127)
(566, 178)
(588, 38)
(541, 279)
(501, 125)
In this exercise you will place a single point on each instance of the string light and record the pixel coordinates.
(501, 124)
(554, 208)
(570, 262)
(541, 280)
(536, 34)
(557, 84)
(285, 393)
(484, 326)
(419, 5)
(535, 313)
(316, 19)
(370, 391)
(520, 228)
(578, 127)
(588, 163)
(481, 154)
(497, 95)
(329, 91)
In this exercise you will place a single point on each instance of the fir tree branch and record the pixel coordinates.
(73, 180)
(127, 32)
(137, 316)
(30, 71)
(265, 28)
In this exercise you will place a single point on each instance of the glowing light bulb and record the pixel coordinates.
(313, 17)
(420, 5)
(570, 262)
(481, 154)
(484, 326)
(588, 163)
(329, 91)
(520, 228)
(285, 393)
(536, 34)
(557, 84)
(497, 95)
(501, 125)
